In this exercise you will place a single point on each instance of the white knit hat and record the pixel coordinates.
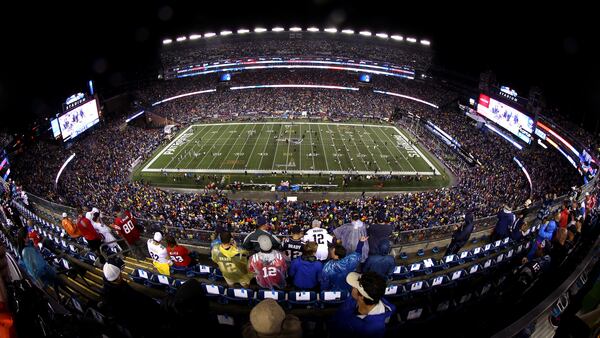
(64, 214)
(111, 272)
(157, 236)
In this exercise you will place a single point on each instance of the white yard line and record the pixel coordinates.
(221, 148)
(258, 171)
(196, 135)
(276, 147)
(395, 147)
(211, 145)
(312, 151)
(300, 150)
(287, 156)
(346, 147)
(246, 142)
(380, 153)
(233, 146)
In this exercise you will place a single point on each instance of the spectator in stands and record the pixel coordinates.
(232, 262)
(269, 266)
(188, 305)
(380, 230)
(505, 220)
(518, 225)
(461, 235)
(321, 237)
(292, 246)
(22, 237)
(179, 254)
(130, 308)
(32, 234)
(563, 221)
(380, 261)
(69, 226)
(159, 255)
(37, 267)
(366, 313)
(107, 237)
(306, 269)
(350, 233)
(89, 233)
(250, 243)
(267, 319)
(126, 226)
(335, 271)
(545, 235)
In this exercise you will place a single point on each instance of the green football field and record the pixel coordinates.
(290, 148)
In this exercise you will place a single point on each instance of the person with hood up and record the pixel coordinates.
(366, 313)
(350, 233)
(461, 235)
(379, 260)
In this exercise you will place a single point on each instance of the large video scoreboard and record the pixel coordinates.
(507, 117)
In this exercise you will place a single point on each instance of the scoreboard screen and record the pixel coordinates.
(507, 117)
(55, 128)
(78, 120)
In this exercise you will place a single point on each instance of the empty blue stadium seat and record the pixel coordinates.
(277, 295)
(140, 276)
(159, 281)
(213, 290)
(420, 252)
(403, 255)
(332, 297)
(395, 290)
(240, 295)
(200, 271)
(435, 250)
(400, 272)
(302, 298)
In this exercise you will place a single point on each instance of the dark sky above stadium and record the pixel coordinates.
(50, 50)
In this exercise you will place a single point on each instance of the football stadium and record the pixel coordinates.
(283, 180)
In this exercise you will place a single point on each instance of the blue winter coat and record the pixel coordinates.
(306, 272)
(346, 323)
(379, 260)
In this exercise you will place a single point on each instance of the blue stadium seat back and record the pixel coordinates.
(140, 276)
(200, 271)
(302, 298)
(95, 315)
(439, 281)
(477, 252)
(395, 290)
(213, 290)
(418, 269)
(474, 270)
(457, 275)
(277, 295)
(432, 265)
(442, 306)
(403, 255)
(57, 262)
(75, 303)
(89, 257)
(414, 313)
(179, 269)
(488, 263)
(240, 295)
(66, 264)
(420, 252)
(464, 298)
(216, 275)
(47, 254)
(417, 287)
(435, 250)
(161, 282)
(332, 297)
(484, 290)
(401, 272)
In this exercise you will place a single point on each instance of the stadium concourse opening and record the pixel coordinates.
(313, 154)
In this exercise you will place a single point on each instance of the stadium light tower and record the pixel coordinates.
(348, 31)
(365, 33)
(277, 29)
(411, 40)
(312, 29)
(295, 29)
(425, 42)
(209, 35)
(224, 33)
(181, 38)
(382, 35)
(243, 31)
(195, 36)
(331, 30)
(259, 30)
(167, 41)
(397, 37)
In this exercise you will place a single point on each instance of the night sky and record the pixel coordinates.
(50, 51)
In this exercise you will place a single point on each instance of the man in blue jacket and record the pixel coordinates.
(335, 271)
(306, 269)
(379, 260)
(366, 313)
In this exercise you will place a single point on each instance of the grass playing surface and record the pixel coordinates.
(293, 148)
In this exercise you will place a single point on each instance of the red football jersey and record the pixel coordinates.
(34, 236)
(87, 229)
(270, 269)
(179, 255)
(126, 228)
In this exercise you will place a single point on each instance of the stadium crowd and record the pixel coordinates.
(99, 175)
(271, 45)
